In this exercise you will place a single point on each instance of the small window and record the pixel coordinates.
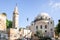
(51, 22)
(14, 35)
(40, 26)
(45, 26)
(48, 22)
(51, 29)
(41, 18)
(31, 24)
(45, 30)
(36, 27)
(49, 18)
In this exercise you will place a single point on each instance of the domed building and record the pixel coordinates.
(44, 23)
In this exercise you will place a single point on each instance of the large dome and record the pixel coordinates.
(43, 16)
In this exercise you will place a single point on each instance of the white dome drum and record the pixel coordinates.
(42, 16)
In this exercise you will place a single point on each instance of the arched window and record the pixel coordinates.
(48, 22)
(40, 26)
(45, 30)
(49, 18)
(41, 18)
(51, 29)
(45, 26)
(36, 27)
(51, 22)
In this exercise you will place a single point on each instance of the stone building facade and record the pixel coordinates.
(13, 34)
(44, 23)
(3, 32)
(3, 22)
(25, 33)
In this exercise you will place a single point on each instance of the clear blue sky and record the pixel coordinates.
(30, 9)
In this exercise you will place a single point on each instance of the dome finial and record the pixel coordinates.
(16, 4)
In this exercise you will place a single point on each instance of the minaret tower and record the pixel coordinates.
(15, 17)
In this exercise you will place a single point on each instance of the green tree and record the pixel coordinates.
(8, 23)
(4, 13)
(57, 29)
(39, 33)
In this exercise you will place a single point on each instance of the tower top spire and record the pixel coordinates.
(16, 9)
(15, 17)
(16, 4)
